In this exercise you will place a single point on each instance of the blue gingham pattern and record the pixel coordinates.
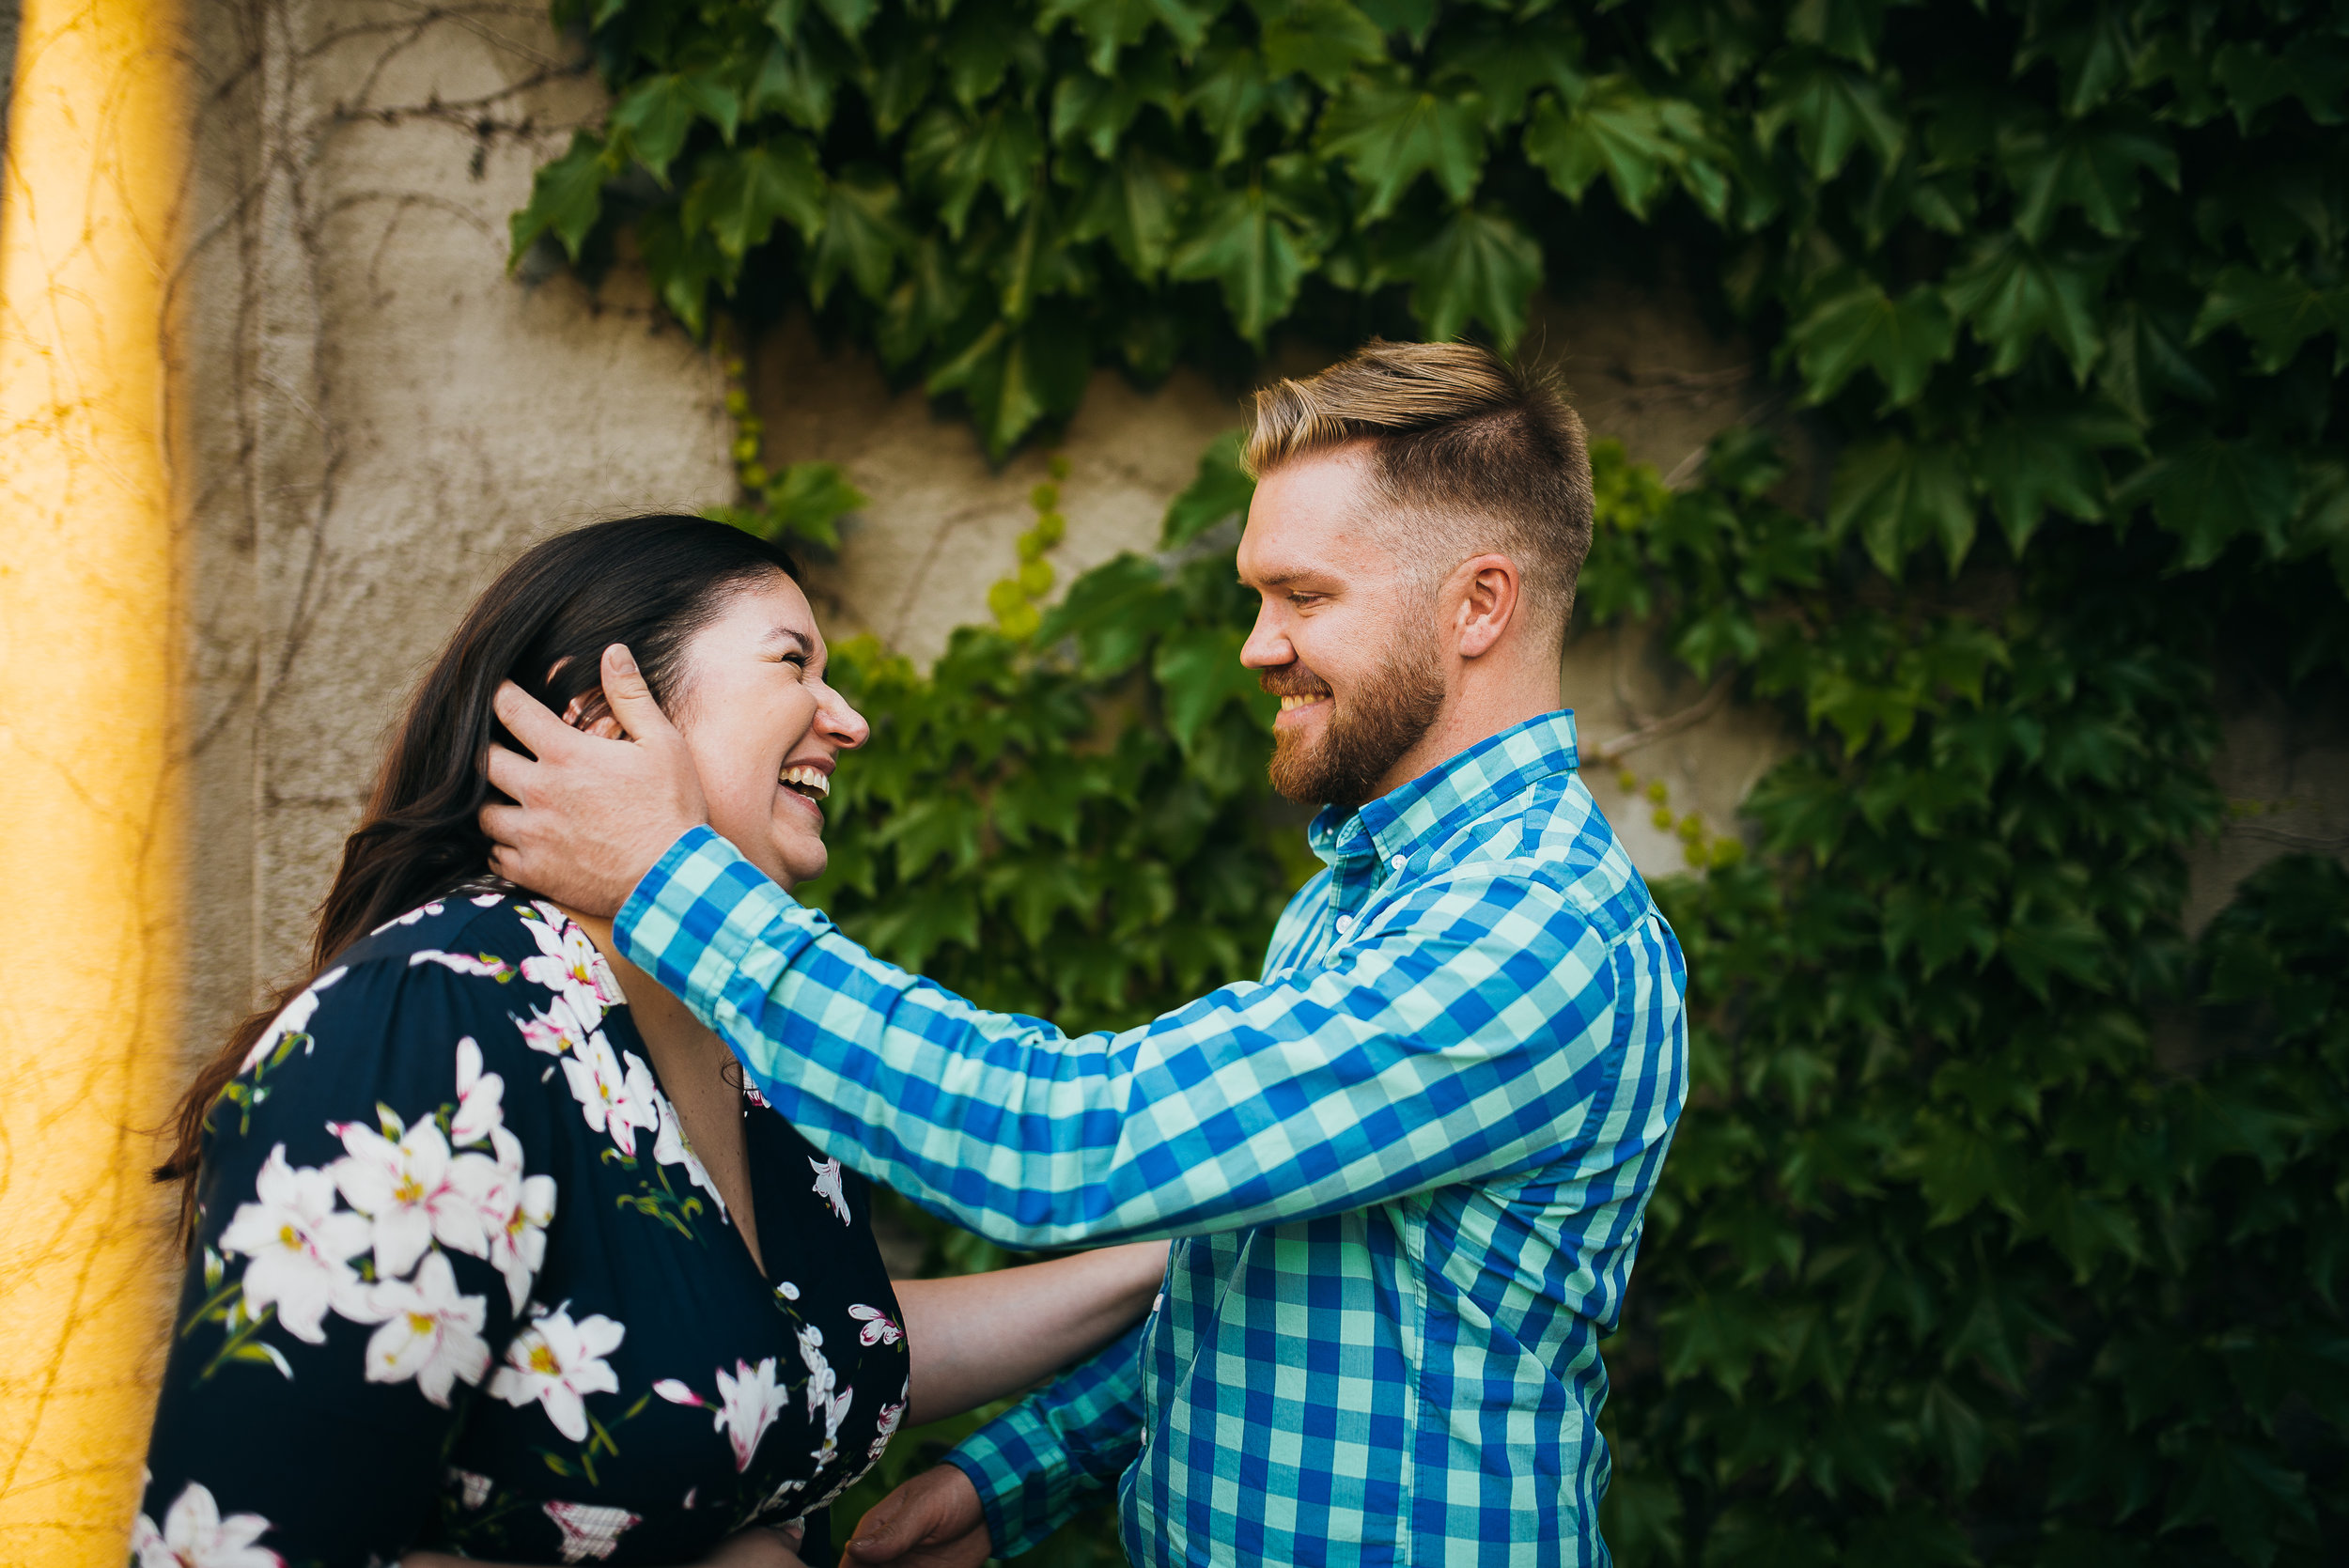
(1409, 1166)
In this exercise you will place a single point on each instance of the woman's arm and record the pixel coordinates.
(756, 1547)
(986, 1335)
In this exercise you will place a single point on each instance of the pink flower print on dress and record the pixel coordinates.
(591, 1532)
(481, 966)
(879, 1328)
(828, 1187)
(193, 1535)
(430, 1332)
(558, 1363)
(516, 1211)
(414, 1190)
(557, 1030)
(300, 1247)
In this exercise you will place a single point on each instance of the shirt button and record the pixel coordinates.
(1345, 924)
(1397, 860)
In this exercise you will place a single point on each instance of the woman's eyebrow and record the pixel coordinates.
(782, 633)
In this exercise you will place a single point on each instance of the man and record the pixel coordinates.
(1407, 1167)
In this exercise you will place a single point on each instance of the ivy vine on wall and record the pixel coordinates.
(2006, 1224)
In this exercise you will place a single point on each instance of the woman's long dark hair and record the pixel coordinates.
(647, 582)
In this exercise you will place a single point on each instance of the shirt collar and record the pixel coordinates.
(1465, 786)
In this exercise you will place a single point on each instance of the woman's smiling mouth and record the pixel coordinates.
(811, 782)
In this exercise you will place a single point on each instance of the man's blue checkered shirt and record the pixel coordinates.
(1407, 1170)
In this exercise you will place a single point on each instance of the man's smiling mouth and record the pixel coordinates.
(810, 782)
(1289, 704)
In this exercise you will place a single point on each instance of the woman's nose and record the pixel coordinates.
(842, 723)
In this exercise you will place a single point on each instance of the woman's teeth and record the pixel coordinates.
(812, 780)
(1288, 703)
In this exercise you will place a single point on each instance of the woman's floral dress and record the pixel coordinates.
(459, 1283)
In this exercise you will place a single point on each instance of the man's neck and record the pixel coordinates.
(1479, 709)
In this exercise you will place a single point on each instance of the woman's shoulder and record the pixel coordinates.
(485, 960)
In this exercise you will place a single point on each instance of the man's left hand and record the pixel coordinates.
(592, 814)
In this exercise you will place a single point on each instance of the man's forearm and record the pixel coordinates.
(1036, 1465)
(1465, 1035)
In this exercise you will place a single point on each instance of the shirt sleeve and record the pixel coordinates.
(1469, 1031)
(1040, 1461)
(368, 1233)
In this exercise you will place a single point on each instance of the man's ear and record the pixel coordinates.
(1491, 597)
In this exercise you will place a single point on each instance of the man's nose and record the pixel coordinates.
(1268, 647)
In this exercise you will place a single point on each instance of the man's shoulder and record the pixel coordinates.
(1552, 837)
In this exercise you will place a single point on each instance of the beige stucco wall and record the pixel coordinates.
(374, 416)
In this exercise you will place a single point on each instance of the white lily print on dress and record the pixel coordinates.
(517, 1211)
(879, 1327)
(193, 1535)
(823, 1403)
(430, 1332)
(558, 1363)
(414, 1190)
(299, 1249)
(828, 1187)
(570, 964)
(747, 1405)
(600, 1085)
(591, 1532)
(293, 1021)
(480, 965)
(891, 1415)
(480, 1098)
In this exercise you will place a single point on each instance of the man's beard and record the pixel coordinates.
(1366, 735)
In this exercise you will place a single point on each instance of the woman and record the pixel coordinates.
(490, 1251)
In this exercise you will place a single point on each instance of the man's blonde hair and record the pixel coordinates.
(1469, 454)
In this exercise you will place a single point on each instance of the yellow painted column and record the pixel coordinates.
(90, 660)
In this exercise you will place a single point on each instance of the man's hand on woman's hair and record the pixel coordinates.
(590, 816)
(932, 1521)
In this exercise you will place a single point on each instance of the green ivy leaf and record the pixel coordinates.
(797, 83)
(808, 500)
(2011, 293)
(1860, 325)
(1222, 489)
(1616, 129)
(1134, 204)
(2040, 459)
(1111, 27)
(1015, 376)
(1509, 62)
(1113, 612)
(954, 158)
(861, 236)
(2277, 314)
(2090, 48)
(566, 198)
(1480, 267)
(1098, 109)
(1898, 497)
(1257, 243)
(1391, 132)
(2210, 490)
(2092, 166)
(652, 118)
(1322, 41)
(1198, 671)
(739, 196)
(1231, 93)
(1833, 109)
